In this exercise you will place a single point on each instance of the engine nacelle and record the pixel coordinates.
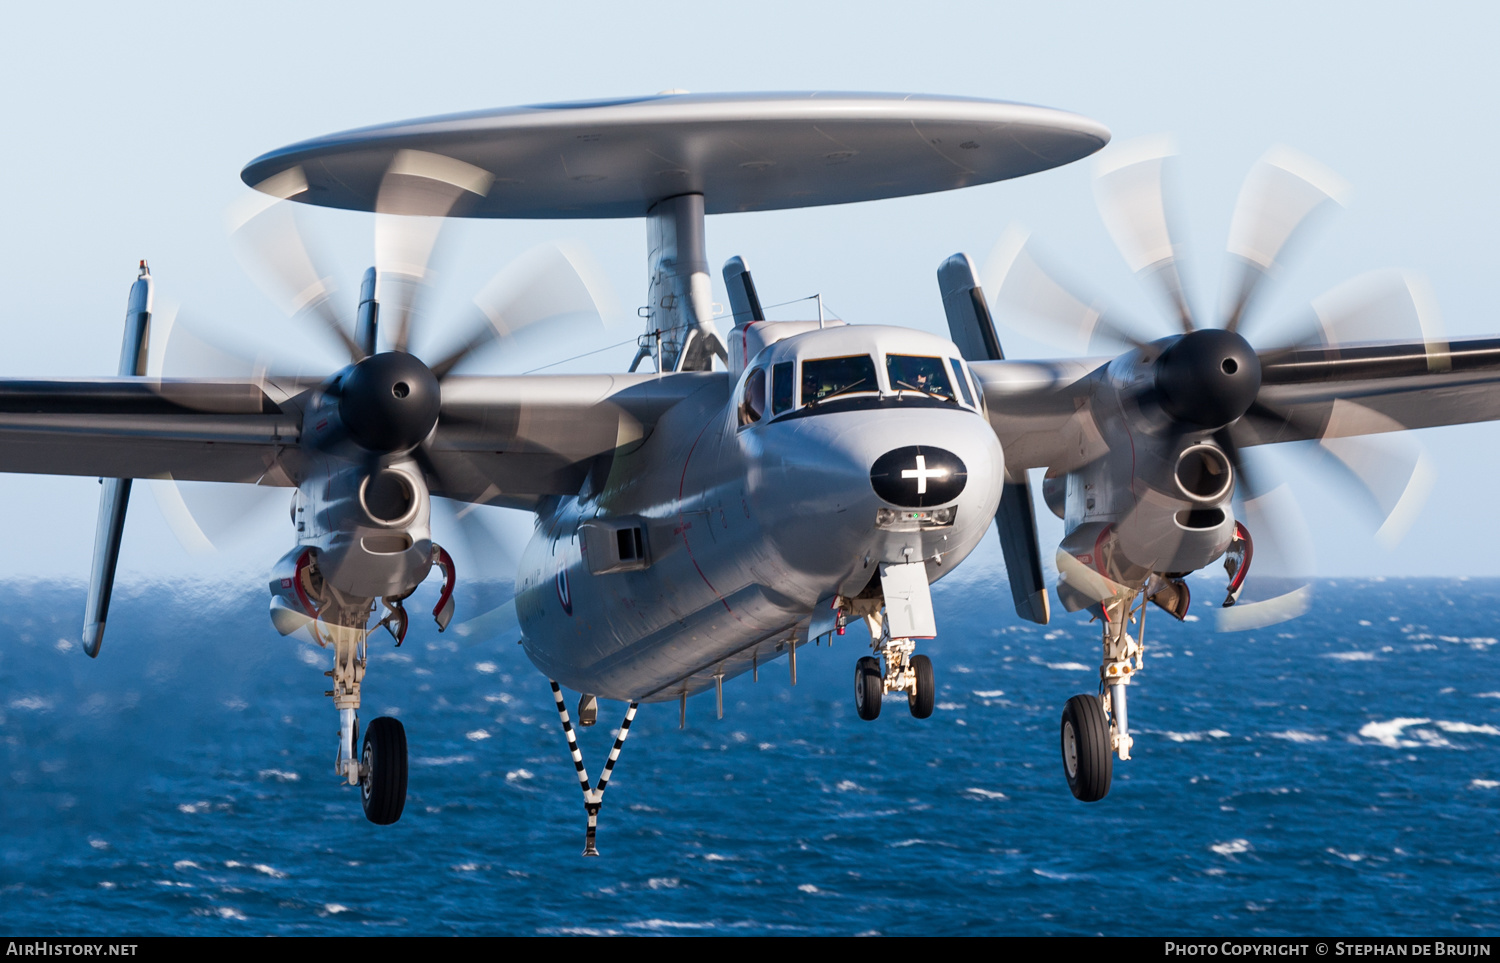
(370, 527)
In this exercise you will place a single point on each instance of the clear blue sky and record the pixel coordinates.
(125, 127)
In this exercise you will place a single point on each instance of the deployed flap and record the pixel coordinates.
(973, 331)
(908, 600)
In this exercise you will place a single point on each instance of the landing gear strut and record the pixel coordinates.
(379, 770)
(1095, 727)
(338, 621)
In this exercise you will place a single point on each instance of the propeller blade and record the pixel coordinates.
(1283, 190)
(490, 557)
(1277, 587)
(212, 517)
(1393, 469)
(1385, 305)
(419, 191)
(268, 240)
(1129, 189)
(1023, 288)
(209, 517)
(1086, 580)
(183, 346)
(538, 310)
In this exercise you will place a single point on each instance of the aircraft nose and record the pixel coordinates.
(918, 476)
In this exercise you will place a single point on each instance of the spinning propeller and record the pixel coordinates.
(534, 313)
(1209, 384)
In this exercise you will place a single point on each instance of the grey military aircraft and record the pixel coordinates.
(758, 490)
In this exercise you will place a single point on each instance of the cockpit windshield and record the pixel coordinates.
(823, 378)
(923, 375)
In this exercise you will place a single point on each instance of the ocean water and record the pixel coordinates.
(1338, 774)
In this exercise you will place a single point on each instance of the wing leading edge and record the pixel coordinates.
(1040, 410)
(503, 440)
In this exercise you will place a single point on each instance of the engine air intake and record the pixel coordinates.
(1203, 473)
(388, 496)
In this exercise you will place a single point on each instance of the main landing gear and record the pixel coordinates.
(379, 767)
(904, 672)
(1094, 728)
(301, 598)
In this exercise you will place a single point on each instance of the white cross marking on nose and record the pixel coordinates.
(921, 473)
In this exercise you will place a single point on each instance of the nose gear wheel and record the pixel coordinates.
(868, 687)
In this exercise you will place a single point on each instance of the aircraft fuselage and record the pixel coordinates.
(738, 532)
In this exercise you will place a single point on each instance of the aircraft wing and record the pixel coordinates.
(508, 440)
(197, 430)
(1315, 393)
(504, 439)
(1040, 409)
(1040, 412)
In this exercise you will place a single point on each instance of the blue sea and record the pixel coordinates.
(1335, 775)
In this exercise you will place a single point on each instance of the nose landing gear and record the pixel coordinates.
(868, 687)
(904, 672)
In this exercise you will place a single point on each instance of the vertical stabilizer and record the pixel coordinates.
(744, 300)
(115, 496)
(973, 330)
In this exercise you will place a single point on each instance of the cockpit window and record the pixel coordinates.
(923, 375)
(755, 397)
(781, 387)
(963, 383)
(822, 378)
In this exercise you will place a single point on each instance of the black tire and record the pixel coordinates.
(383, 788)
(868, 687)
(921, 704)
(1088, 762)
